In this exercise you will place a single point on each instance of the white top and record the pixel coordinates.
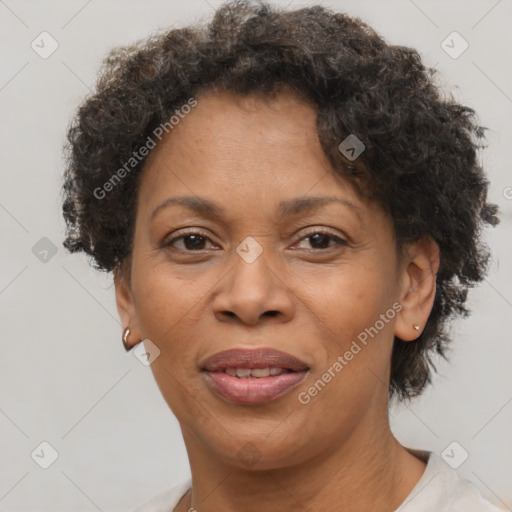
(440, 489)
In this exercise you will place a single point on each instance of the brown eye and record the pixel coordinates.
(319, 240)
(190, 241)
(193, 242)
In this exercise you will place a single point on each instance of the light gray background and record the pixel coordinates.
(64, 376)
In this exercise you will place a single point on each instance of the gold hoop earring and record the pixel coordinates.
(126, 333)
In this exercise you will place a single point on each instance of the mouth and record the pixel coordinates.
(253, 376)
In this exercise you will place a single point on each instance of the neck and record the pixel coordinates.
(370, 469)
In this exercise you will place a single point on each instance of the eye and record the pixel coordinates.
(188, 241)
(319, 239)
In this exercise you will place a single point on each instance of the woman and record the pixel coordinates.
(291, 212)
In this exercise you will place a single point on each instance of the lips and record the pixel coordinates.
(253, 375)
(253, 358)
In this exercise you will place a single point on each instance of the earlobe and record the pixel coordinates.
(126, 310)
(419, 273)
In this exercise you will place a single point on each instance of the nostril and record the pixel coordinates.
(232, 314)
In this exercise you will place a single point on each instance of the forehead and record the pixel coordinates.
(225, 125)
(236, 148)
(285, 108)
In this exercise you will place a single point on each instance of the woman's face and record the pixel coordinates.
(314, 276)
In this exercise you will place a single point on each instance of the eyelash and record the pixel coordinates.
(323, 231)
(202, 234)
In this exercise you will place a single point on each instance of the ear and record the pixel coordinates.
(418, 287)
(126, 306)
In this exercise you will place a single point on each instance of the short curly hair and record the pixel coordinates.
(419, 164)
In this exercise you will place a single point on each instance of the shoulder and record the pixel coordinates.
(167, 500)
(442, 489)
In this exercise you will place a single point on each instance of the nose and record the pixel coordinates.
(253, 293)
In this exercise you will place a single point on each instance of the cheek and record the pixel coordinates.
(347, 299)
(353, 307)
(167, 308)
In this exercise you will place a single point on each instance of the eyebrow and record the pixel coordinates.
(286, 208)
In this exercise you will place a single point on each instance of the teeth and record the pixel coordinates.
(260, 372)
(245, 373)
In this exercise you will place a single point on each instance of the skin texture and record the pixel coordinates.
(249, 153)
